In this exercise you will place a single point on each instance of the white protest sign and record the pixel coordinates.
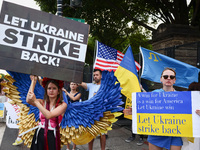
(166, 113)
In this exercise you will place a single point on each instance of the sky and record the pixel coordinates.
(27, 3)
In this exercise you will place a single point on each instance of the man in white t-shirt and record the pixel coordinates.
(93, 88)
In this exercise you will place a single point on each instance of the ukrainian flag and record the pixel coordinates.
(127, 75)
(1, 110)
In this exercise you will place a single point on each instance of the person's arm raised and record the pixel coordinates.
(51, 114)
(30, 98)
(84, 85)
(71, 96)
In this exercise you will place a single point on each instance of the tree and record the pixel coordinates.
(107, 25)
(167, 11)
(110, 20)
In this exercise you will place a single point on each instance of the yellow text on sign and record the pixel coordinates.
(165, 124)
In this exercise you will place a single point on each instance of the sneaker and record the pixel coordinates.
(140, 142)
(130, 139)
(107, 148)
(18, 142)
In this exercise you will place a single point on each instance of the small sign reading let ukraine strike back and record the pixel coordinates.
(166, 113)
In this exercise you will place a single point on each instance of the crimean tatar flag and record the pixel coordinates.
(154, 63)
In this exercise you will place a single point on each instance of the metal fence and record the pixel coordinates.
(188, 53)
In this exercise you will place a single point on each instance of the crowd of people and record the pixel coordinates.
(52, 109)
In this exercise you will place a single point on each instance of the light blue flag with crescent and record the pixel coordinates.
(154, 63)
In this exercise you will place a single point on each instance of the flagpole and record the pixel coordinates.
(140, 65)
(125, 48)
(95, 50)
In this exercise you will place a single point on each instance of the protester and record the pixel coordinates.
(168, 78)
(18, 141)
(194, 86)
(93, 88)
(132, 138)
(73, 96)
(51, 110)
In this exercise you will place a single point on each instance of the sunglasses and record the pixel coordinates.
(166, 76)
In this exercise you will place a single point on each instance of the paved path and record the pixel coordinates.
(115, 141)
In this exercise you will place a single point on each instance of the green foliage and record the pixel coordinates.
(109, 19)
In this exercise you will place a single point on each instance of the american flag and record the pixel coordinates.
(108, 58)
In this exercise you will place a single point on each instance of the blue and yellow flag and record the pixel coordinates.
(127, 75)
(154, 63)
(1, 110)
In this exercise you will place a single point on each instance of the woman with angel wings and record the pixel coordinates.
(41, 109)
(51, 110)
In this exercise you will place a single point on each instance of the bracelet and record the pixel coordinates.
(142, 90)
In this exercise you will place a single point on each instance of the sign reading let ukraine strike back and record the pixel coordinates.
(166, 113)
(40, 43)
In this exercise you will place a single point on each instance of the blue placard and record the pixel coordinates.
(164, 102)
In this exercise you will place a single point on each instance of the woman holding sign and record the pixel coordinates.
(47, 136)
(168, 78)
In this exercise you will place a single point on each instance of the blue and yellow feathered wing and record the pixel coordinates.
(81, 122)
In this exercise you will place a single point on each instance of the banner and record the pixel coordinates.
(12, 115)
(40, 43)
(166, 113)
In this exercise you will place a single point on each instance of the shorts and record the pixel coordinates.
(165, 141)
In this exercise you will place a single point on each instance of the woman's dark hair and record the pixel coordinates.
(194, 86)
(46, 97)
